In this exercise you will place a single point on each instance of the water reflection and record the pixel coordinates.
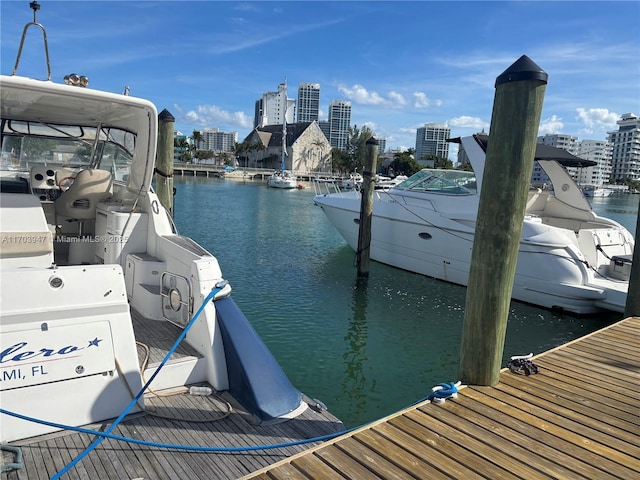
(364, 348)
(358, 380)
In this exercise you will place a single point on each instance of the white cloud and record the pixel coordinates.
(397, 99)
(212, 115)
(466, 121)
(550, 125)
(597, 119)
(421, 100)
(361, 95)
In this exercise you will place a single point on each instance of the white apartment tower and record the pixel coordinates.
(216, 141)
(308, 102)
(625, 148)
(560, 140)
(598, 151)
(432, 140)
(274, 108)
(339, 123)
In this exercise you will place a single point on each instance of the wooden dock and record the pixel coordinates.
(171, 417)
(578, 418)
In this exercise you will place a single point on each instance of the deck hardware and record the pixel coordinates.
(56, 282)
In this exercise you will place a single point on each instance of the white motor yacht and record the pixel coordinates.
(569, 258)
(91, 267)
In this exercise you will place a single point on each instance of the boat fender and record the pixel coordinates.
(521, 364)
(441, 392)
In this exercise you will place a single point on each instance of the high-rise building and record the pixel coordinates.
(382, 145)
(560, 140)
(324, 126)
(217, 141)
(308, 102)
(274, 108)
(625, 148)
(339, 123)
(598, 151)
(432, 140)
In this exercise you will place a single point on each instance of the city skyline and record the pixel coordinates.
(400, 64)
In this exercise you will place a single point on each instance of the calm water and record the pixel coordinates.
(364, 348)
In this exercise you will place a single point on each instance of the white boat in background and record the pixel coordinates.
(92, 267)
(385, 183)
(569, 258)
(282, 179)
(593, 191)
(353, 182)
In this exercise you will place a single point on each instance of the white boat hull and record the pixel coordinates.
(436, 239)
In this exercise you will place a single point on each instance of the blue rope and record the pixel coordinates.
(442, 391)
(98, 440)
(172, 446)
(17, 464)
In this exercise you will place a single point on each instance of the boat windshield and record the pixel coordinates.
(28, 144)
(449, 182)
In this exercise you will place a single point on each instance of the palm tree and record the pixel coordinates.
(196, 136)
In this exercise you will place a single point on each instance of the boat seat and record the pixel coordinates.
(537, 200)
(25, 238)
(80, 201)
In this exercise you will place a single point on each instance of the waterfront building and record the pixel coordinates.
(339, 123)
(217, 141)
(274, 108)
(625, 149)
(560, 140)
(432, 140)
(598, 151)
(308, 102)
(308, 150)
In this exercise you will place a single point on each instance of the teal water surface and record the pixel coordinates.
(364, 348)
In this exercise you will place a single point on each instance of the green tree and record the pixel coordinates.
(340, 161)
(404, 164)
(356, 147)
(440, 162)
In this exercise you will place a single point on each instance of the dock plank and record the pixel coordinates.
(578, 418)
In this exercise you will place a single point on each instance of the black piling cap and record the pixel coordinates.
(165, 116)
(523, 69)
(372, 141)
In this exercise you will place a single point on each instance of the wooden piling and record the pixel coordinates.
(164, 160)
(509, 162)
(366, 209)
(632, 307)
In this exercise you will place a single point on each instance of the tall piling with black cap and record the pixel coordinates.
(164, 160)
(366, 208)
(510, 153)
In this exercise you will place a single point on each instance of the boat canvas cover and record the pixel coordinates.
(28, 100)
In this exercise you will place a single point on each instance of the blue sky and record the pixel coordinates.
(401, 64)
